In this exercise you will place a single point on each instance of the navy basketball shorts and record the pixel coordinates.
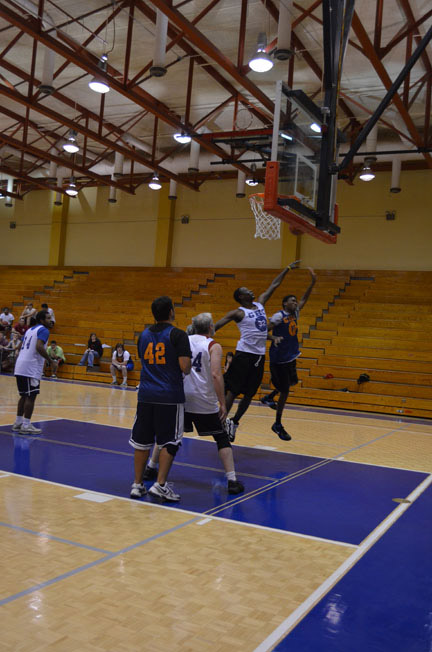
(207, 425)
(284, 376)
(245, 374)
(27, 386)
(160, 423)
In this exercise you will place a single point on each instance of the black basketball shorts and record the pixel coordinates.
(207, 425)
(160, 423)
(27, 386)
(245, 374)
(284, 376)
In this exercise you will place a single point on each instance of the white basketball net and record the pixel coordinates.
(267, 226)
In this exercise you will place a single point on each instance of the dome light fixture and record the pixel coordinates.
(98, 83)
(315, 127)
(261, 61)
(182, 138)
(70, 145)
(155, 184)
(72, 190)
(367, 174)
(252, 181)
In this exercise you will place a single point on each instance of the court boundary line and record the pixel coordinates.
(307, 605)
(52, 537)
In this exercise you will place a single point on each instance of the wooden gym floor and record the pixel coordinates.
(327, 549)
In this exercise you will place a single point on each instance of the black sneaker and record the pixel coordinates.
(266, 400)
(281, 432)
(235, 487)
(150, 474)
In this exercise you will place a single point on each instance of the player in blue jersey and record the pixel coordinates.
(165, 356)
(283, 356)
(28, 371)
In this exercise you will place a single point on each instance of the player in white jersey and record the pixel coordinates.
(28, 371)
(246, 371)
(204, 391)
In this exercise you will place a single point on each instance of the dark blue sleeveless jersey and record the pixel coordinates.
(286, 327)
(161, 378)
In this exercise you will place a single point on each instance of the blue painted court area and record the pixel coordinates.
(335, 500)
(384, 603)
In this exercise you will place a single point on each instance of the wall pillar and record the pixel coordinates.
(291, 246)
(164, 229)
(59, 217)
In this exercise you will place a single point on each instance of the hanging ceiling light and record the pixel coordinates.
(367, 174)
(261, 61)
(98, 83)
(70, 145)
(182, 138)
(155, 184)
(72, 190)
(251, 181)
(315, 127)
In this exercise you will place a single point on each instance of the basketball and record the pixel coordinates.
(295, 231)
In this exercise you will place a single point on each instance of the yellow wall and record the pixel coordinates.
(367, 239)
(28, 244)
(221, 229)
(220, 232)
(100, 233)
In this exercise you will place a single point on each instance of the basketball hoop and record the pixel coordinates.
(266, 226)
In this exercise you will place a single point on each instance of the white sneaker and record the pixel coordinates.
(30, 429)
(137, 490)
(124, 384)
(165, 492)
(114, 382)
(53, 376)
(16, 426)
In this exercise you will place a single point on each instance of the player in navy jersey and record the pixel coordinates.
(283, 356)
(28, 371)
(245, 373)
(165, 356)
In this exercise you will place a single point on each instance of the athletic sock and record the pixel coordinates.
(26, 422)
(151, 464)
(230, 475)
(19, 420)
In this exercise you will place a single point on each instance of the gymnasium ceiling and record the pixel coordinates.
(208, 87)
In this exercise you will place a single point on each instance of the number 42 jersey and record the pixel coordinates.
(159, 348)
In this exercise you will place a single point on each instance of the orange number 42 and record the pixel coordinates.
(157, 356)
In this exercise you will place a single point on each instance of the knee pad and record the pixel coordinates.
(172, 449)
(222, 441)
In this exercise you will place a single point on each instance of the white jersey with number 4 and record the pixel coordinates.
(253, 330)
(29, 362)
(198, 385)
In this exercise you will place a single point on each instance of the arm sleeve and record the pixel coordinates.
(180, 342)
(126, 356)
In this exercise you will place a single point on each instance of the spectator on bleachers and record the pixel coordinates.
(6, 320)
(119, 362)
(93, 352)
(20, 327)
(4, 342)
(44, 306)
(57, 357)
(10, 353)
(28, 313)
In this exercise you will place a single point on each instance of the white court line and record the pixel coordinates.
(289, 623)
(204, 521)
(186, 511)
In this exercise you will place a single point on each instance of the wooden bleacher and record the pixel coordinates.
(371, 322)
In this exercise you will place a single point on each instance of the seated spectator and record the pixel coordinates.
(10, 353)
(119, 361)
(28, 313)
(57, 357)
(20, 327)
(93, 352)
(6, 320)
(4, 343)
(44, 306)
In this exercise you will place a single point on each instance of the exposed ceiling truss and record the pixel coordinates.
(208, 92)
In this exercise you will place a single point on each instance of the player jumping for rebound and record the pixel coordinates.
(283, 356)
(245, 373)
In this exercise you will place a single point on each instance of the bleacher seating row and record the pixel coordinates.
(376, 322)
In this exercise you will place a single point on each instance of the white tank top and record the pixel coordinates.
(198, 385)
(29, 362)
(253, 330)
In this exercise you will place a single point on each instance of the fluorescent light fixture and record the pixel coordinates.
(315, 127)
(367, 173)
(261, 61)
(98, 83)
(252, 182)
(72, 190)
(182, 138)
(155, 184)
(70, 145)
(286, 136)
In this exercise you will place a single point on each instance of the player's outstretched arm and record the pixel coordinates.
(306, 295)
(218, 383)
(232, 315)
(265, 296)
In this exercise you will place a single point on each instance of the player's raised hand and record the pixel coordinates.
(312, 273)
(295, 264)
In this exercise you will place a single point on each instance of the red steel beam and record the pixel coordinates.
(403, 33)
